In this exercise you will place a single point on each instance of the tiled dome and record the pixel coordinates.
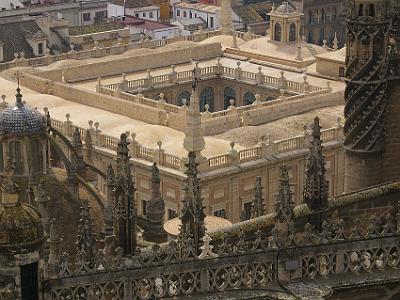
(21, 229)
(21, 119)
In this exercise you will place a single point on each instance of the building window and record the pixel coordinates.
(249, 98)
(220, 213)
(184, 95)
(334, 14)
(277, 32)
(190, 15)
(151, 15)
(86, 17)
(292, 32)
(310, 37)
(172, 214)
(16, 156)
(144, 15)
(36, 156)
(136, 15)
(40, 49)
(246, 213)
(178, 13)
(341, 71)
(184, 14)
(144, 207)
(229, 94)
(207, 97)
(211, 22)
(100, 15)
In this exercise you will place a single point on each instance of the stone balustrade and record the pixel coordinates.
(96, 52)
(233, 157)
(208, 72)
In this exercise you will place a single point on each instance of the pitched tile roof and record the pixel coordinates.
(253, 13)
(13, 36)
(133, 3)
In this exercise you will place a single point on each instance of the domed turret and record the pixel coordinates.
(24, 140)
(21, 119)
(21, 229)
(21, 239)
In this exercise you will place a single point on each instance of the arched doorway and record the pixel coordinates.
(278, 32)
(229, 94)
(207, 97)
(183, 95)
(292, 32)
(249, 98)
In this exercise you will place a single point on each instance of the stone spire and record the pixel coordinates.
(78, 146)
(88, 145)
(109, 203)
(41, 198)
(257, 207)
(155, 210)
(18, 95)
(192, 215)
(53, 241)
(124, 213)
(194, 136)
(335, 45)
(86, 236)
(315, 190)
(284, 198)
(226, 17)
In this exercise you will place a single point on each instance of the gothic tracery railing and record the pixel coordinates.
(247, 260)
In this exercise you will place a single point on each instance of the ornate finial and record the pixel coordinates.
(195, 79)
(257, 207)
(18, 95)
(155, 173)
(315, 190)
(284, 200)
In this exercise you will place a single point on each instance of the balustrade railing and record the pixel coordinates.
(175, 162)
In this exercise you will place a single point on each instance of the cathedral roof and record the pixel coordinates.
(21, 119)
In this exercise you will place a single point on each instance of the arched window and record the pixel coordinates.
(229, 94)
(292, 32)
(249, 98)
(36, 156)
(278, 32)
(184, 95)
(16, 157)
(310, 37)
(207, 97)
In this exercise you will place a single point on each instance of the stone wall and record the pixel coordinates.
(86, 97)
(141, 62)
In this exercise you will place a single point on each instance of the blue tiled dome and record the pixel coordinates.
(21, 119)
